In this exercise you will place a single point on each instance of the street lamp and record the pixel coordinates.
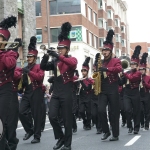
(48, 21)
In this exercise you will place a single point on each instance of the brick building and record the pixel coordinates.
(25, 11)
(145, 48)
(91, 19)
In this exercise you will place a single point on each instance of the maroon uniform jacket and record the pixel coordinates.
(87, 85)
(146, 82)
(114, 67)
(65, 66)
(36, 76)
(43, 88)
(134, 78)
(16, 78)
(8, 61)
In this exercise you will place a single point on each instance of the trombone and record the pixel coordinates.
(12, 46)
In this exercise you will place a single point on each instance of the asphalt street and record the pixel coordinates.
(87, 140)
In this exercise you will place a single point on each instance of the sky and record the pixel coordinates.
(139, 20)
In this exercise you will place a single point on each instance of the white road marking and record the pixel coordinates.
(132, 141)
(48, 129)
(20, 128)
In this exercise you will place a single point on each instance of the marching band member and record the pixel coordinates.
(131, 96)
(94, 99)
(144, 91)
(8, 60)
(85, 96)
(109, 94)
(75, 105)
(12, 119)
(32, 99)
(64, 67)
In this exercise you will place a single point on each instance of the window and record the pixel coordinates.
(75, 34)
(39, 35)
(102, 23)
(65, 7)
(109, 14)
(101, 41)
(89, 13)
(38, 8)
(117, 37)
(123, 43)
(148, 60)
(90, 39)
(101, 4)
(95, 42)
(117, 22)
(123, 29)
(94, 18)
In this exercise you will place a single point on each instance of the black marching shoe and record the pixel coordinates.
(35, 140)
(88, 128)
(105, 136)
(130, 130)
(99, 131)
(146, 128)
(27, 136)
(74, 130)
(66, 148)
(142, 125)
(59, 144)
(114, 139)
(136, 132)
(123, 124)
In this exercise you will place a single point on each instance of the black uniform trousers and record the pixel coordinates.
(145, 109)
(109, 95)
(62, 97)
(85, 109)
(43, 115)
(12, 122)
(5, 99)
(122, 109)
(32, 100)
(132, 106)
(95, 115)
(74, 110)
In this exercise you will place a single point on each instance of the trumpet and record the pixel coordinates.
(12, 46)
(43, 47)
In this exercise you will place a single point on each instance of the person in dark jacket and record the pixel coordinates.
(63, 66)
(109, 89)
(144, 92)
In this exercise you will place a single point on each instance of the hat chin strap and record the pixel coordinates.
(110, 55)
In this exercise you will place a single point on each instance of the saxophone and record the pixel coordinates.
(21, 80)
(97, 77)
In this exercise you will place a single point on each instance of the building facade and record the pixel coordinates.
(25, 12)
(90, 19)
